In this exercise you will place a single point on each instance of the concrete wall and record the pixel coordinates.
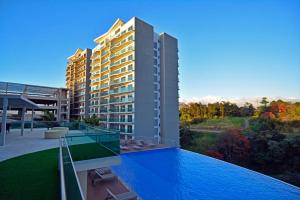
(169, 113)
(144, 87)
(88, 81)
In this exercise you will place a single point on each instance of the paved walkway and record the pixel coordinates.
(17, 145)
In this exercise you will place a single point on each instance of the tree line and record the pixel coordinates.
(197, 112)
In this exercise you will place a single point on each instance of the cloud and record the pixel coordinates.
(238, 100)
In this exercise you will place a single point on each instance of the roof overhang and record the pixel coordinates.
(117, 22)
(17, 101)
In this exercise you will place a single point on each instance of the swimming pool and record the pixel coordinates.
(179, 174)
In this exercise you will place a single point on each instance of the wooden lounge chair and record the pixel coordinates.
(140, 143)
(99, 177)
(122, 196)
(137, 147)
(104, 170)
(122, 147)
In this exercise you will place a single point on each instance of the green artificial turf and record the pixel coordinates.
(31, 176)
(89, 151)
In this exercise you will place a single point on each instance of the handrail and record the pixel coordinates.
(62, 174)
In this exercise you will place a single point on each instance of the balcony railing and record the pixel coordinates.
(123, 100)
(120, 90)
(116, 110)
(121, 120)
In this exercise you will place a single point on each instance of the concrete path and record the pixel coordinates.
(17, 145)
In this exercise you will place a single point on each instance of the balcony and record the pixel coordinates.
(121, 90)
(104, 93)
(103, 101)
(103, 119)
(121, 120)
(118, 110)
(104, 69)
(119, 81)
(103, 110)
(123, 100)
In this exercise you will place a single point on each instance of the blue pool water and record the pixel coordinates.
(178, 174)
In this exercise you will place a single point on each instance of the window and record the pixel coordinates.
(130, 38)
(129, 118)
(123, 60)
(155, 53)
(130, 98)
(130, 87)
(123, 107)
(155, 45)
(123, 79)
(122, 118)
(130, 28)
(123, 69)
(155, 61)
(130, 67)
(130, 77)
(130, 57)
(155, 87)
(155, 113)
(129, 108)
(129, 129)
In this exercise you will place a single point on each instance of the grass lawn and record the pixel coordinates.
(202, 141)
(89, 151)
(31, 176)
(221, 123)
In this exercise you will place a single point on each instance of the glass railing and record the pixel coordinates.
(17, 124)
(104, 77)
(124, 100)
(94, 139)
(104, 93)
(104, 69)
(117, 91)
(121, 110)
(69, 181)
(120, 120)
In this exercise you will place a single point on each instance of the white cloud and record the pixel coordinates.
(238, 100)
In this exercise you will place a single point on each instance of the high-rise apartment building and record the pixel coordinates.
(78, 81)
(134, 82)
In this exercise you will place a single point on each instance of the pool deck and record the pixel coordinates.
(98, 191)
(31, 141)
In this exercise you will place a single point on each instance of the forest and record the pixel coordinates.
(264, 138)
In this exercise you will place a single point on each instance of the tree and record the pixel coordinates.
(264, 102)
(185, 135)
(233, 146)
(94, 120)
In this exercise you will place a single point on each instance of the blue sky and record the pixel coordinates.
(231, 48)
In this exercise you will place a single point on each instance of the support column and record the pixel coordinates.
(82, 176)
(4, 116)
(32, 117)
(23, 120)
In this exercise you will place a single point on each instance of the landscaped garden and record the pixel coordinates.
(31, 176)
